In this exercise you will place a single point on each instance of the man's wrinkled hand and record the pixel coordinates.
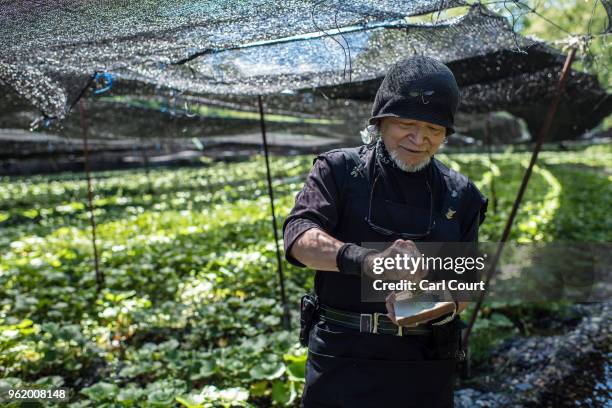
(399, 248)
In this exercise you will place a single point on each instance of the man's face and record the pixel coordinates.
(411, 142)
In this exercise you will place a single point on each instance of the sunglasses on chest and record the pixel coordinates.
(403, 235)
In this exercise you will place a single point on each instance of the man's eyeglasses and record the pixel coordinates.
(403, 235)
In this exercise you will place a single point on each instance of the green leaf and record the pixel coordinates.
(128, 397)
(8, 383)
(259, 388)
(501, 320)
(283, 392)
(234, 396)
(208, 369)
(101, 391)
(297, 370)
(267, 371)
(25, 324)
(190, 401)
(161, 398)
(54, 381)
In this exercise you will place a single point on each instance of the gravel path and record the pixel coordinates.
(568, 370)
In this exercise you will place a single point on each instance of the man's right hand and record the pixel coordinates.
(400, 247)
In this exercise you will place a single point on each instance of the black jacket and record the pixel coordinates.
(336, 198)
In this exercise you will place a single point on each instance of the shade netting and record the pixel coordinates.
(185, 65)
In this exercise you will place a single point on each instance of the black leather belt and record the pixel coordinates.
(377, 323)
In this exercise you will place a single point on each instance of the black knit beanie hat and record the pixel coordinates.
(420, 88)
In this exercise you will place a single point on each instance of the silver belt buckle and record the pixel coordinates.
(365, 323)
(375, 328)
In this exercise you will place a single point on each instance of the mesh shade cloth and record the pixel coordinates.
(230, 51)
(50, 49)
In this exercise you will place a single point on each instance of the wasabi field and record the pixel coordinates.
(189, 314)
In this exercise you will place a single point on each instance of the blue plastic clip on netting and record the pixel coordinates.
(103, 81)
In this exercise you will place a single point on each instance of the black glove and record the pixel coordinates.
(351, 257)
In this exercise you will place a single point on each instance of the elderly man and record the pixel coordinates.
(390, 190)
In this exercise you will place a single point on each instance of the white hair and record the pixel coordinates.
(370, 134)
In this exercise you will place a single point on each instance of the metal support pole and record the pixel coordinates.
(92, 218)
(552, 110)
(145, 159)
(281, 278)
(490, 154)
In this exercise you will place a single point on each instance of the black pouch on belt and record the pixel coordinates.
(309, 309)
(448, 340)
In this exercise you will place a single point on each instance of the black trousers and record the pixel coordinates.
(346, 368)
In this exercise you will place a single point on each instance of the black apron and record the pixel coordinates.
(349, 369)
